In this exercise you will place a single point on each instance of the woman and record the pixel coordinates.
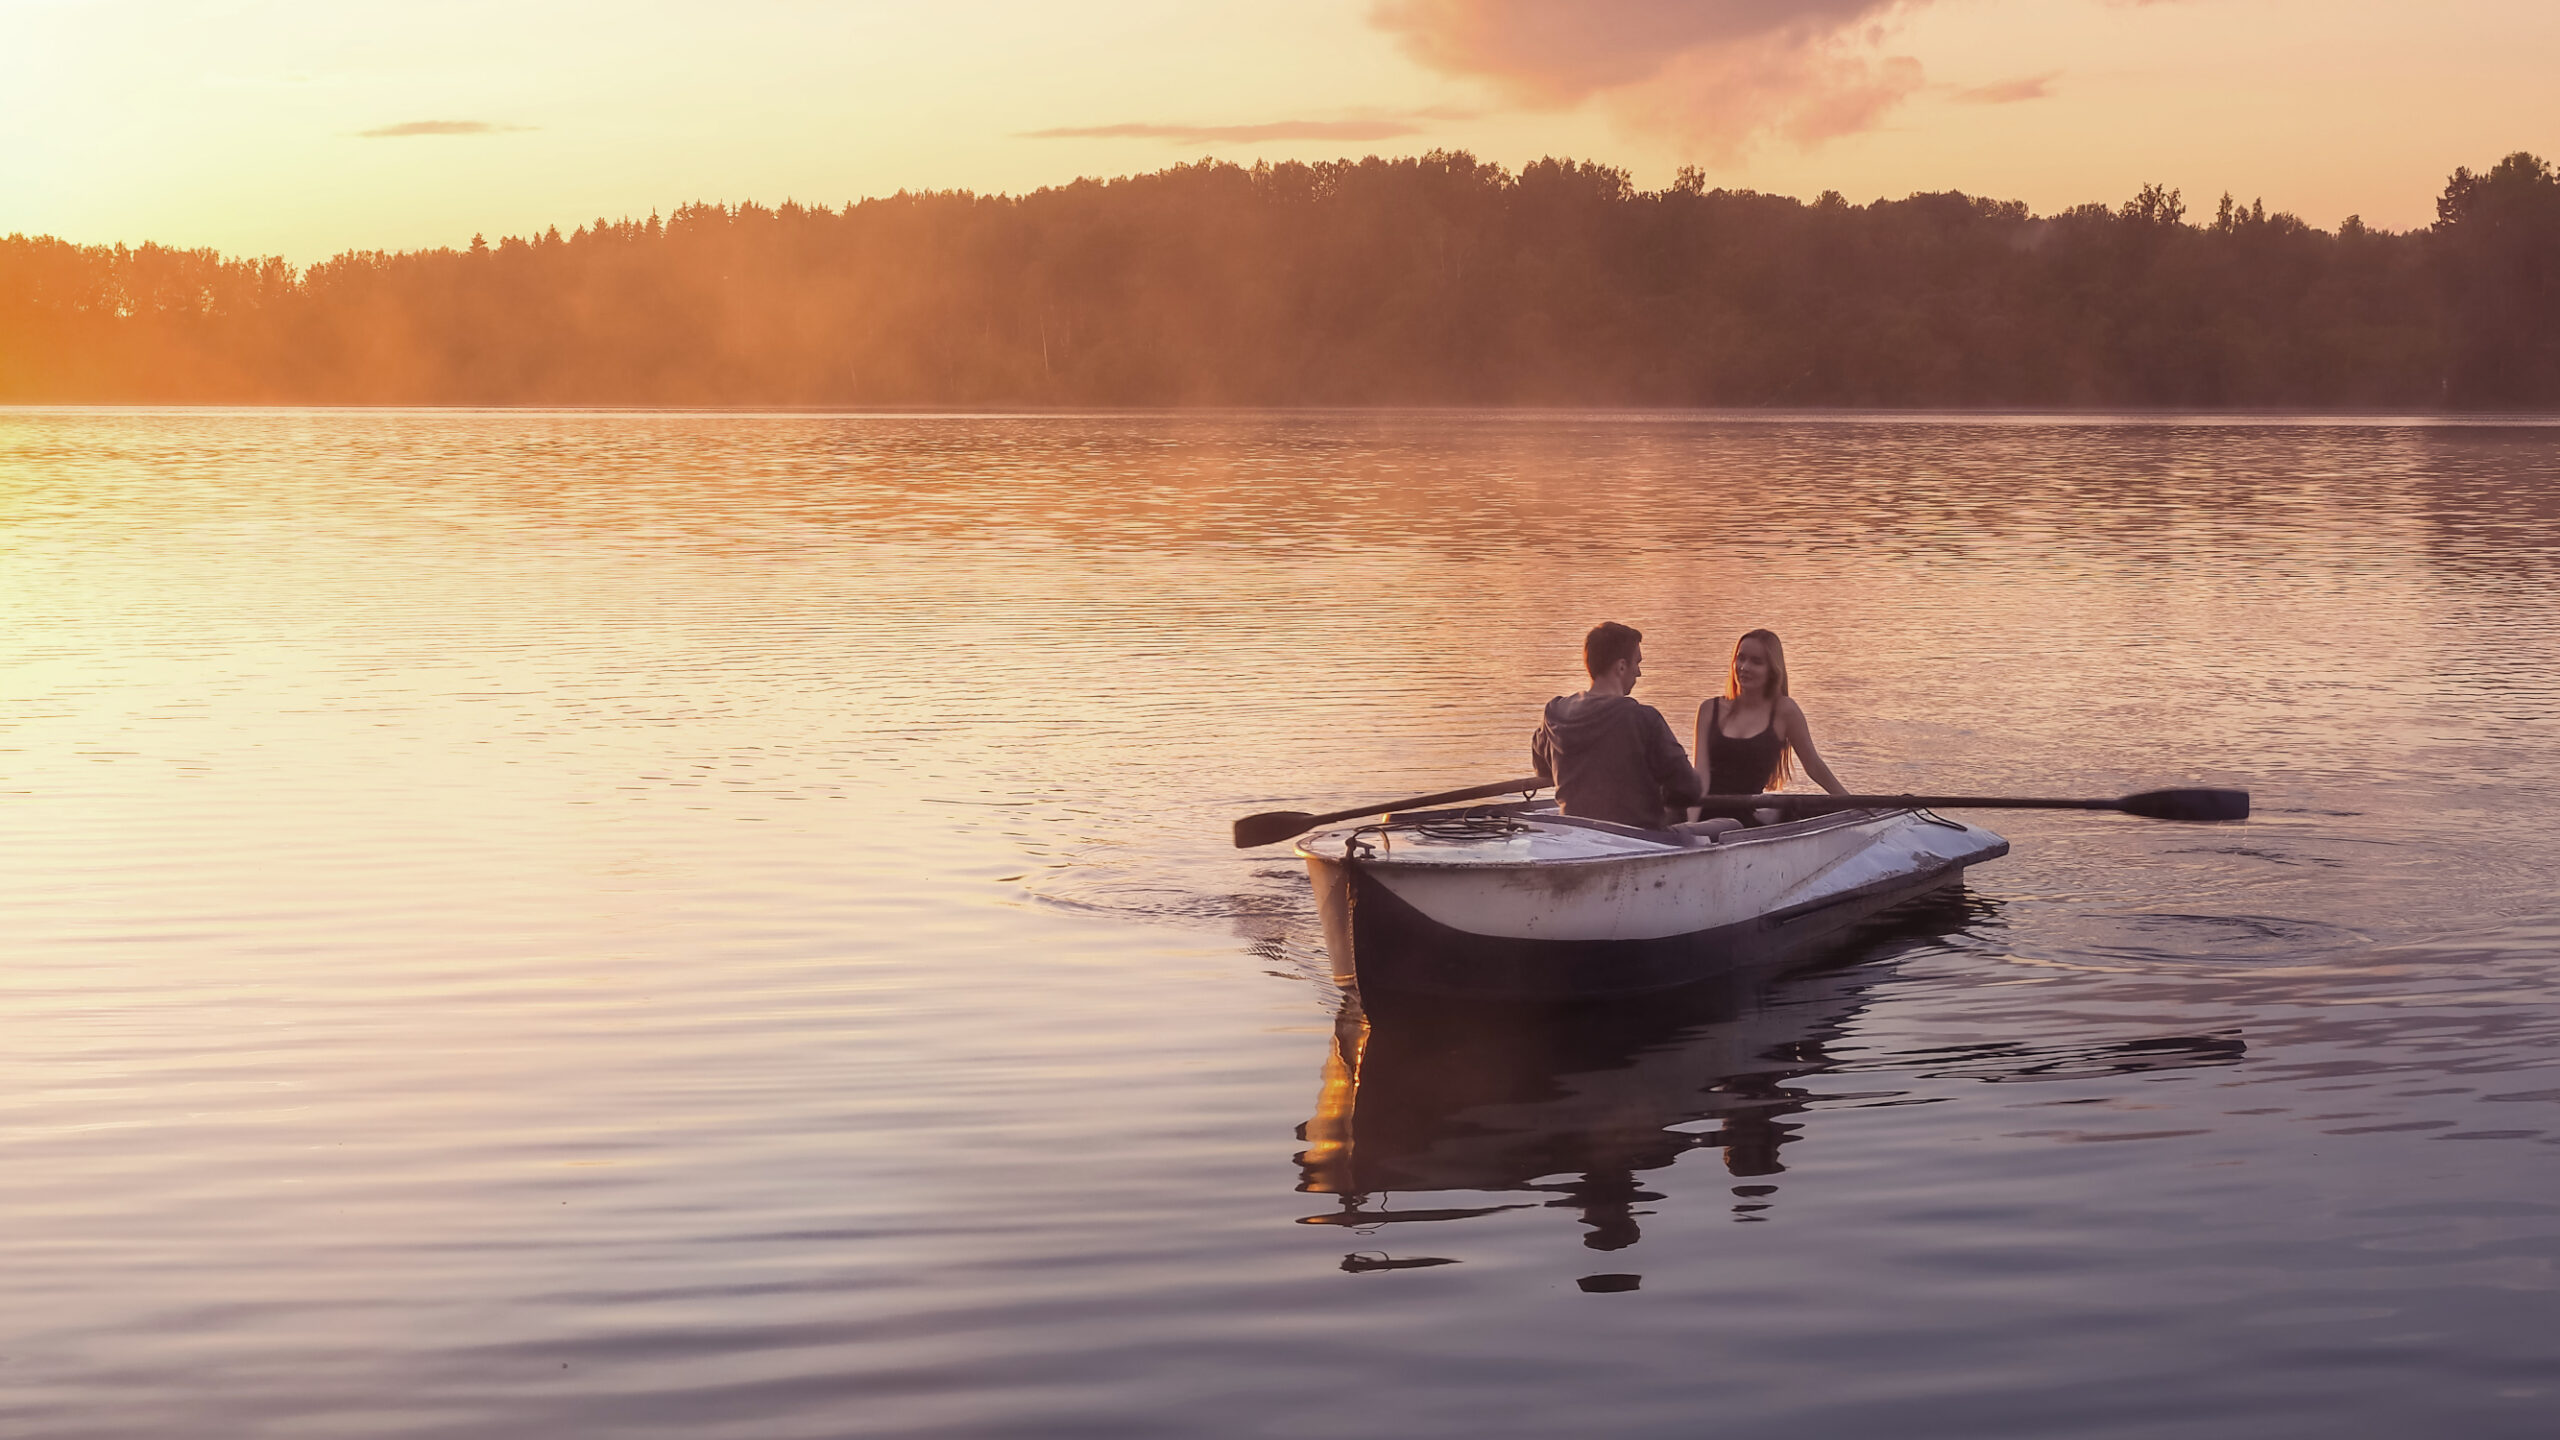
(1746, 734)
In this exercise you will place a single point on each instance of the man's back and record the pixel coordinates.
(1613, 758)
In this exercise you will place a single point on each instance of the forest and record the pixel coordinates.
(1436, 279)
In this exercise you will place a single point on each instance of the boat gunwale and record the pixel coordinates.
(1785, 830)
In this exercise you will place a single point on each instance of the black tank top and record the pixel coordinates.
(1740, 767)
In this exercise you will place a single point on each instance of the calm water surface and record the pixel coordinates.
(637, 924)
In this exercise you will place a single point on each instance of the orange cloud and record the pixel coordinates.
(1721, 74)
(2010, 92)
(438, 127)
(1383, 129)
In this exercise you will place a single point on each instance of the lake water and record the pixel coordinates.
(722, 925)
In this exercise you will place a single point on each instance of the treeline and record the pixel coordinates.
(1437, 279)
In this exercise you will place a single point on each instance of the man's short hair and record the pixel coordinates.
(1608, 643)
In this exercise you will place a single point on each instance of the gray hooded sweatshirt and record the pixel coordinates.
(1612, 757)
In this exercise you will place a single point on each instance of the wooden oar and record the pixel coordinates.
(1274, 825)
(2197, 805)
(2150, 804)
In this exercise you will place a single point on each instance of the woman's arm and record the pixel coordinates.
(1799, 737)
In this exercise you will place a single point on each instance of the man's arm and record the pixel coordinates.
(1670, 764)
(1542, 756)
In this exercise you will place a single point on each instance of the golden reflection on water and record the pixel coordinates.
(630, 923)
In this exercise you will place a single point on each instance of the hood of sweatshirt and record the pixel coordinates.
(1574, 717)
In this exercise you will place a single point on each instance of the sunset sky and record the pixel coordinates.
(301, 128)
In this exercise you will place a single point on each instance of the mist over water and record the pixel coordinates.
(722, 924)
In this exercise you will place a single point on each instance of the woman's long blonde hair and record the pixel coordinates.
(1777, 688)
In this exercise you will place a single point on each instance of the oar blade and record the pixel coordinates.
(2187, 804)
(1274, 825)
(1271, 827)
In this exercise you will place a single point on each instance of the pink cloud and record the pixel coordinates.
(1720, 74)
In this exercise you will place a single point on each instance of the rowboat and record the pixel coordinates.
(1521, 903)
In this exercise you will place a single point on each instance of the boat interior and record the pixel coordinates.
(1686, 835)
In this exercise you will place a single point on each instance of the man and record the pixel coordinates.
(1610, 757)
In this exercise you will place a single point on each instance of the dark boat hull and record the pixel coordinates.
(1381, 943)
(1546, 909)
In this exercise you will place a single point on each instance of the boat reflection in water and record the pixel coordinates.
(1571, 1108)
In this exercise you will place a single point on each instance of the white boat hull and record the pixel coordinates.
(1542, 907)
